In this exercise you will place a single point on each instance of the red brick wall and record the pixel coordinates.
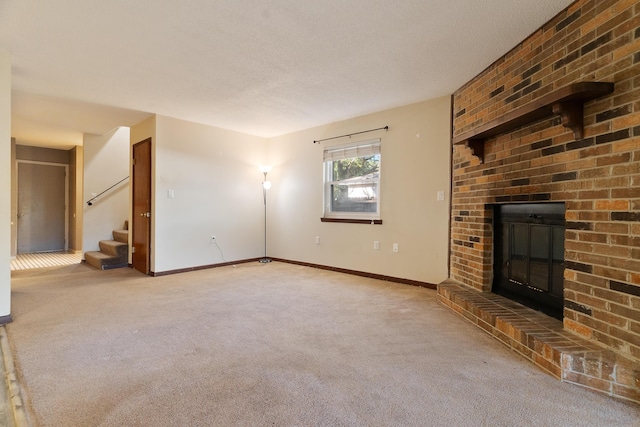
(598, 176)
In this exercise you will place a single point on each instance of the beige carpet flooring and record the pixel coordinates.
(270, 345)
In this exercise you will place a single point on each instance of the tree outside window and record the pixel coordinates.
(352, 177)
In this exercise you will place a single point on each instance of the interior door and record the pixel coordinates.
(141, 216)
(41, 207)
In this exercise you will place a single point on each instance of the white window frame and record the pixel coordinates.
(346, 151)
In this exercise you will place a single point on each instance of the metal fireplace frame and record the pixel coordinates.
(529, 255)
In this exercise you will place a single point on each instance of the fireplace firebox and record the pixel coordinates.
(529, 255)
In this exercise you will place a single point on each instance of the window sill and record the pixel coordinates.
(353, 221)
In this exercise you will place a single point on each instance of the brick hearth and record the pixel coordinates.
(543, 341)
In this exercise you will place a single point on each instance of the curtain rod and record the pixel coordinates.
(351, 134)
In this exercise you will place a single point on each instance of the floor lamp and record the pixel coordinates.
(265, 186)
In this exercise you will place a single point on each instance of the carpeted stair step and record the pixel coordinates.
(121, 236)
(113, 253)
(104, 261)
(113, 248)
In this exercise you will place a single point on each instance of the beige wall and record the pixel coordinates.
(415, 166)
(106, 162)
(14, 199)
(76, 205)
(143, 130)
(205, 181)
(40, 154)
(215, 184)
(5, 183)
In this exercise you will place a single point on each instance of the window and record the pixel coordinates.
(352, 182)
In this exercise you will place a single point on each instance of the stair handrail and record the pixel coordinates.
(90, 201)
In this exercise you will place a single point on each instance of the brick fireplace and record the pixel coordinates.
(557, 120)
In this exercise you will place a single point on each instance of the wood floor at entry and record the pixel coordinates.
(44, 259)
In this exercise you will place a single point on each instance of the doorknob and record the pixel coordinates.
(147, 214)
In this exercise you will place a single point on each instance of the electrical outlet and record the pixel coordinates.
(317, 240)
(376, 245)
(395, 247)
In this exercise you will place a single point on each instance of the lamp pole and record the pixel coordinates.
(265, 186)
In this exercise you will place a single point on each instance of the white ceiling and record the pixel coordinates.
(260, 67)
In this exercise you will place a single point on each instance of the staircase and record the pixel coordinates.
(113, 253)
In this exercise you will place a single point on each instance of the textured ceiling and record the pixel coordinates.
(263, 68)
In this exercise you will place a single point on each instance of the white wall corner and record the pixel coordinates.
(5, 182)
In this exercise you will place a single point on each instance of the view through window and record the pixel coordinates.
(352, 181)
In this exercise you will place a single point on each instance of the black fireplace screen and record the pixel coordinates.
(529, 255)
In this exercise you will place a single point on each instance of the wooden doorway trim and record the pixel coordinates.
(141, 207)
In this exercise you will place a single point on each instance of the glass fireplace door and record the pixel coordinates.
(529, 256)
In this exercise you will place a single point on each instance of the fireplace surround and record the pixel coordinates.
(532, 128)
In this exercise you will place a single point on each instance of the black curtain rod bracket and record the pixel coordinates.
(351, 134)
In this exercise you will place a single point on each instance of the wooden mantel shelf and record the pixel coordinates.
(567, 102)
